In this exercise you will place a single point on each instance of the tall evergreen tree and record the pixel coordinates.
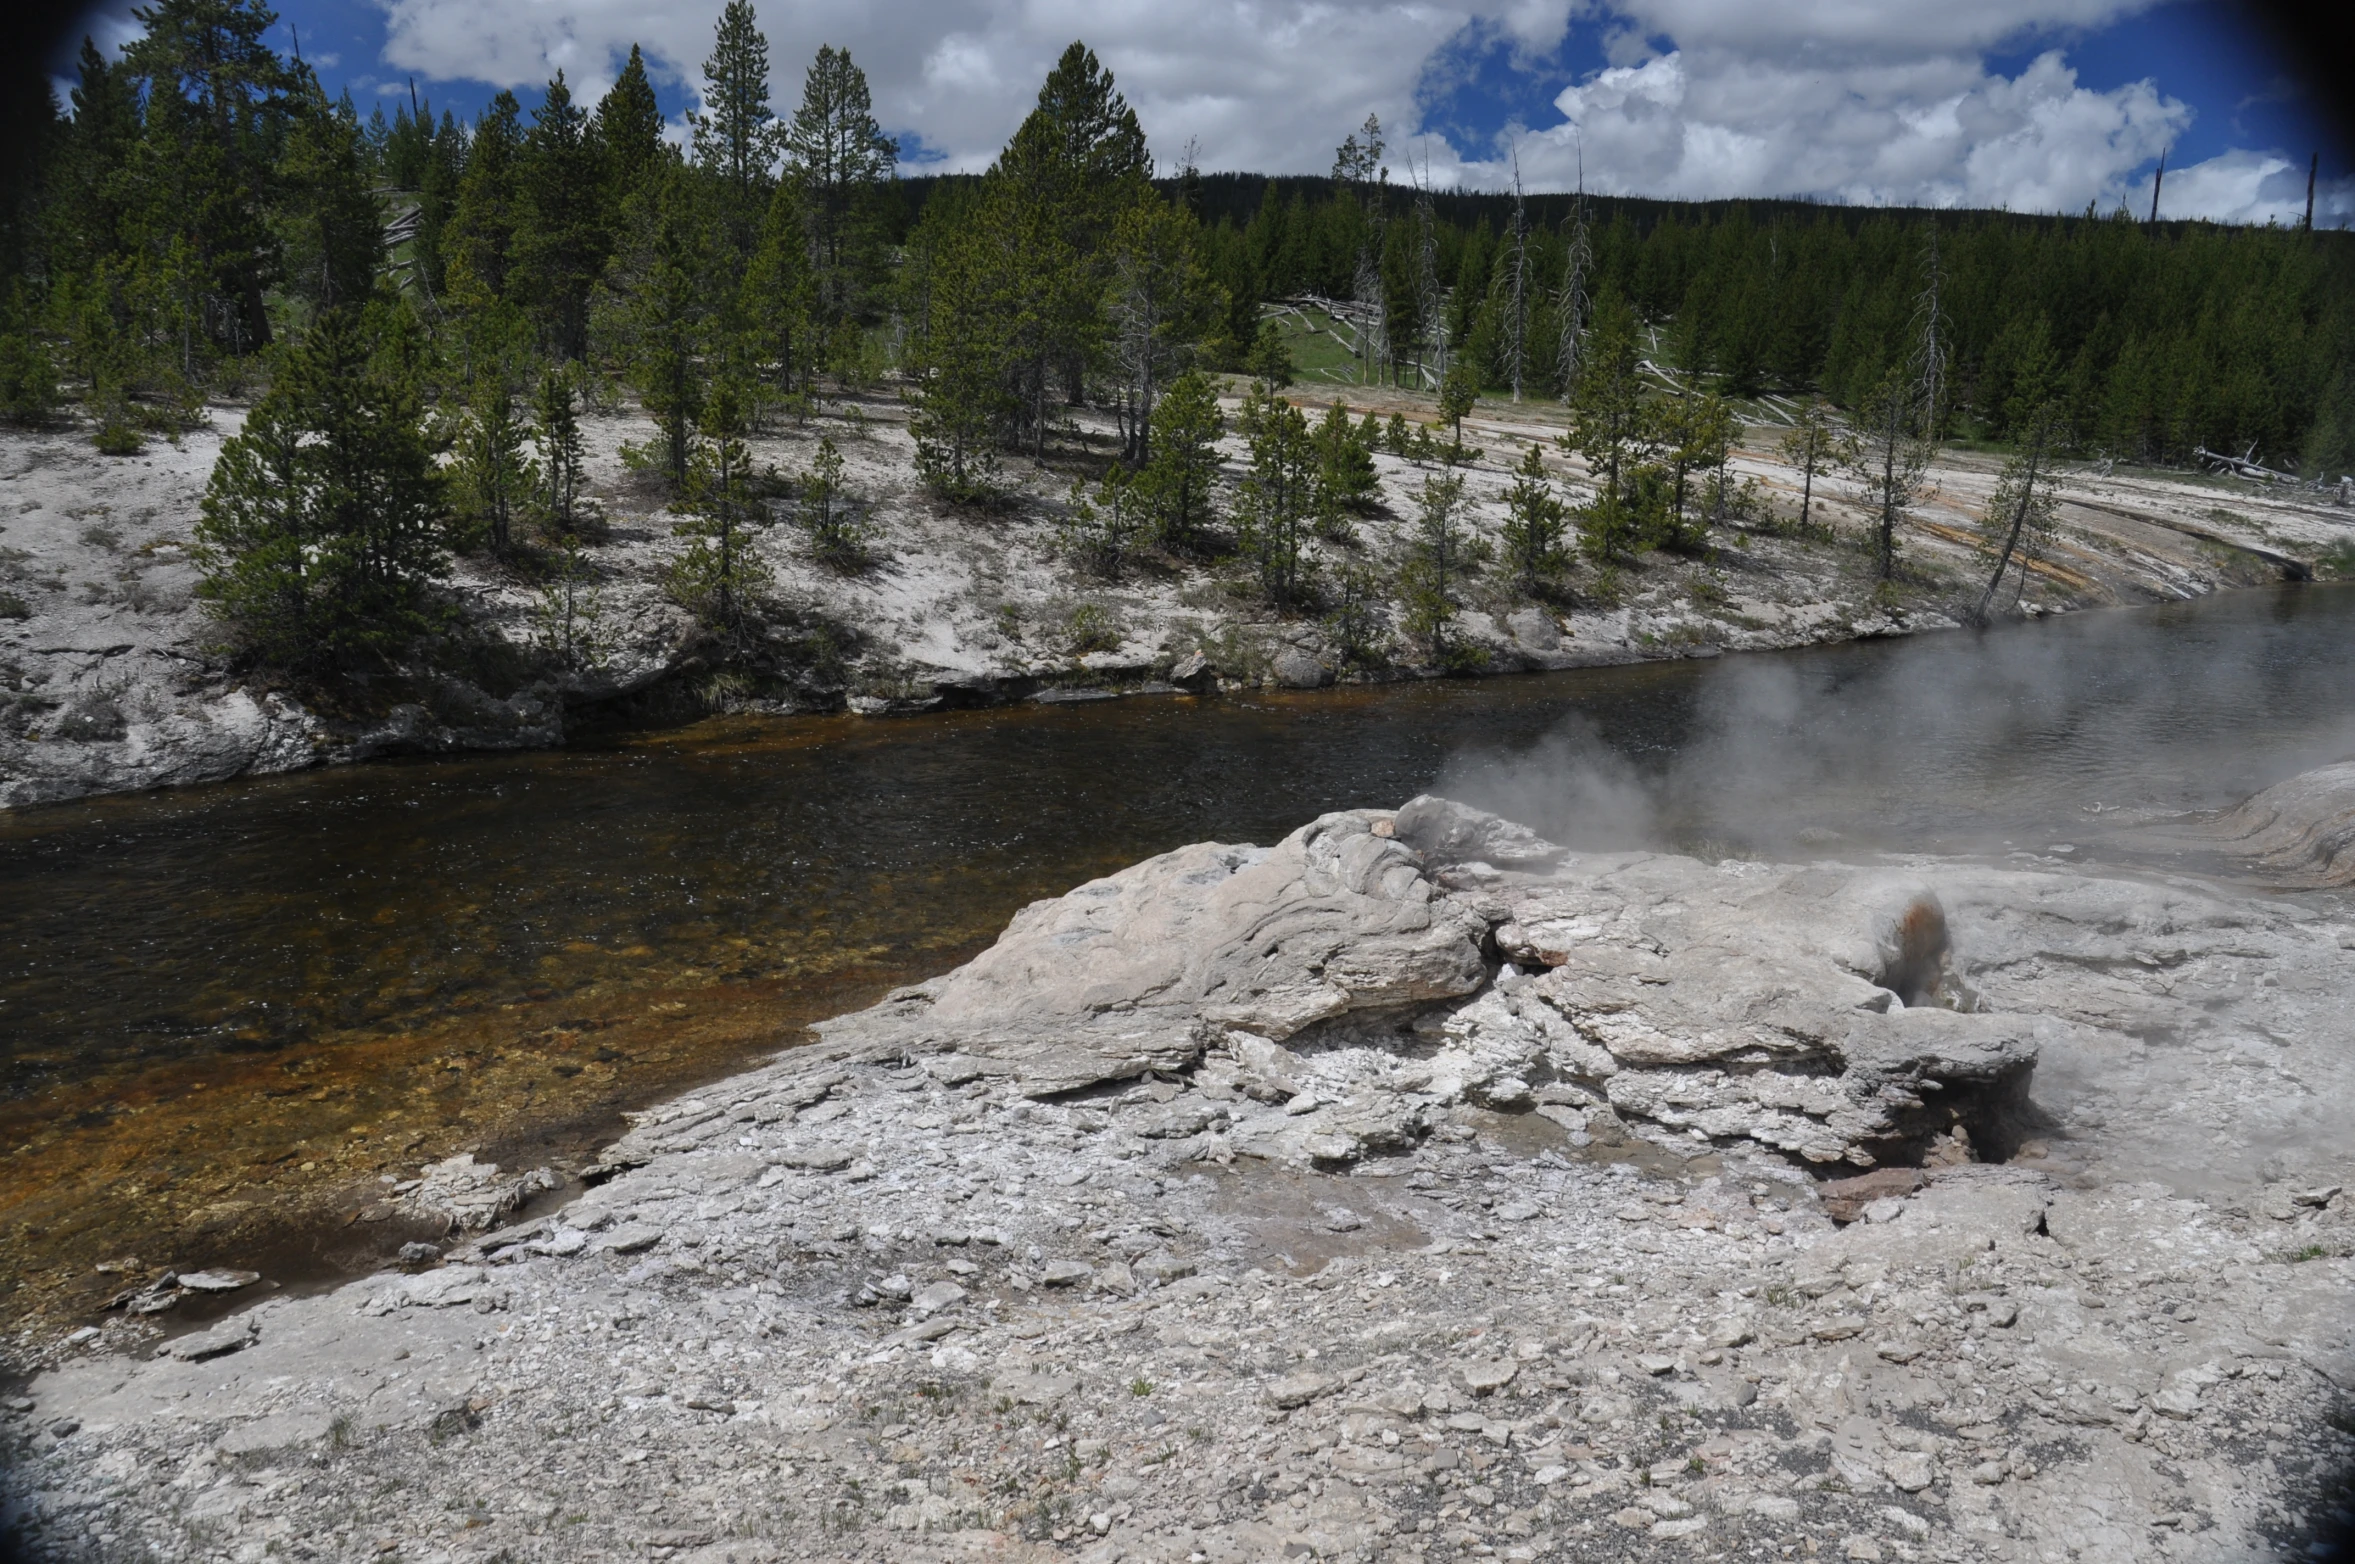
(971, 319)
(658, 312)
(332, 223)
(1076, 162)
(91, 184)
(1534, 525)
(1181, 480)
(1278, 503)
(480, 247)
(1611, 432)
(628, 130)
(322, 533)
(562, 238)
(1158, 305)
(841, 158)
(735, 135)
(216, 104)
(778, 302)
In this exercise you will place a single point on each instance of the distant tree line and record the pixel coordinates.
(421, 310)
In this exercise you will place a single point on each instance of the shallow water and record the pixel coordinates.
(225, 1012)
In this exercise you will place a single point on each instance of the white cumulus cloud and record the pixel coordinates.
(1880, 101)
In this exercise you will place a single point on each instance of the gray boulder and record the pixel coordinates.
(1295, 669)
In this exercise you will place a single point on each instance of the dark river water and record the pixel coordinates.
(226, 1012)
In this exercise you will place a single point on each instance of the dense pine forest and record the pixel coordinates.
(416, 310)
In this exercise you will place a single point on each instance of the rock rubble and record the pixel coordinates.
(1364, 1198)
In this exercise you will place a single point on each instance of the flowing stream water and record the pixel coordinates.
(228, 1014)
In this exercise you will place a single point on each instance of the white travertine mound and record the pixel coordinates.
(1358, 1199)
(1130, 973)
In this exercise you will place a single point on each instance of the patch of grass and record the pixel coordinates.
(1140, 1387)
(1090, 629)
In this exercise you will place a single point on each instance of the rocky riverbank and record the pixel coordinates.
(112, 678)
(1408, 1190)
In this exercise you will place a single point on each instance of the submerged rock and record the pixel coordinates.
(2298, 834)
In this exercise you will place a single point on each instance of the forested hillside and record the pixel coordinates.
(417, 312)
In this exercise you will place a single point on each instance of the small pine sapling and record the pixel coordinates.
(1444, 552)
(1535, 526)
(1270, 361)
(557, 432)
(831, 510)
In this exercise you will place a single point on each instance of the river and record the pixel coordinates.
(227, 1013)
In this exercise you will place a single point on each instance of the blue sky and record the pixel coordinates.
(2033, 104)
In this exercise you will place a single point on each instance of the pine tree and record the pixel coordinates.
(437, 202)
(968, 312)
(92, 189)
(2023, 512)
(778, 300)
(1442, 554)
(720, 573)
(628, 131)
(1346, 483)
(842, 159)
(1181, 481)
(332, 223)
(1695, 436)
(657, 316)
(561, 239)
(735, 135)
(1099, 531)
(495, 475)
(1158, 305)
(830, 509)
(1887, 459)
(216, 105)
(1610, 429)
(1809, 449)
(479, 248)
(1270, 361)
(556, 430)
(1278, 502)
(1534, 527)
(1075, 163)
(322, 534)
(1459, 393)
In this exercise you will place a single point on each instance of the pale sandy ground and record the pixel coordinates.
(112, 678)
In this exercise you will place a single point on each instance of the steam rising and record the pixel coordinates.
(2033, 737)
